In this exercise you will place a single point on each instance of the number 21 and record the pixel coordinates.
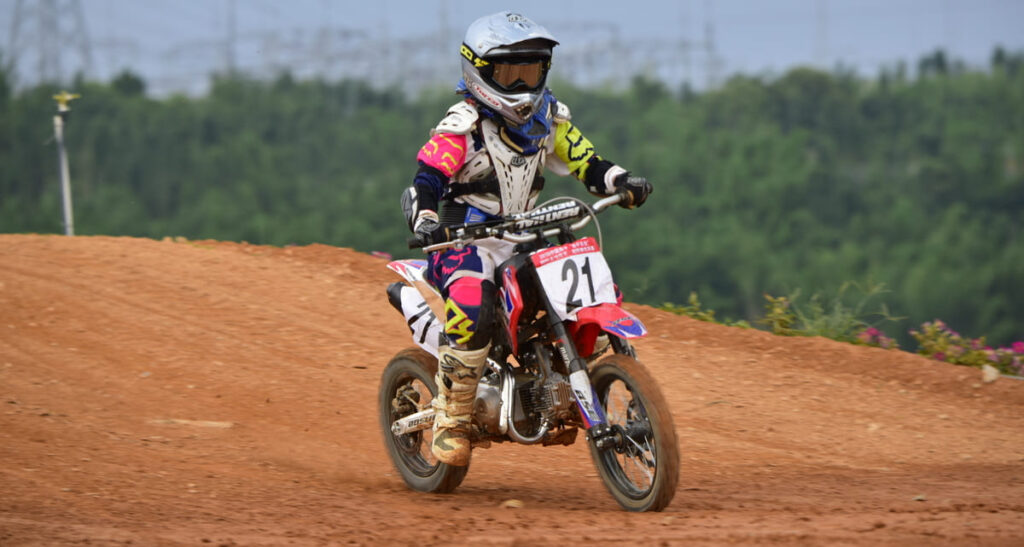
(570, 269)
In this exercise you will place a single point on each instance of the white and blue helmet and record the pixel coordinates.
(505, 63)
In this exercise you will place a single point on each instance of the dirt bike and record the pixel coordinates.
(545, 377)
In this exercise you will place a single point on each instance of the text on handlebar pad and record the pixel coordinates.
(546, 215)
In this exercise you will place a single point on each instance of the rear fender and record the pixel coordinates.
(419, 302)
(425, 327)
(412, 270)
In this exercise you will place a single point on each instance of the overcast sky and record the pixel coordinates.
(175, 44)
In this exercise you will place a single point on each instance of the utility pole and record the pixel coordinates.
(59, 119)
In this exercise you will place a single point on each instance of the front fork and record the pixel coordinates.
(603, 435)
(594, 420)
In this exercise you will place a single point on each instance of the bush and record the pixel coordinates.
(693, 308)
(871, 336)
(845, 324)
(833, 319)
(938, 341)
(779, 316)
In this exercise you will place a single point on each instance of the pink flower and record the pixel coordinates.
(939, 356)
(1018, 347)
(869, 334)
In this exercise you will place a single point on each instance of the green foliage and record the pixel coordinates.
(692, 308)
(129, 84)
(779, 316)
(838, 320)
(763, 185)
(938, 341)
(835, 320)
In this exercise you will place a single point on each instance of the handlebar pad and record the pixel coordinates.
(529, 221)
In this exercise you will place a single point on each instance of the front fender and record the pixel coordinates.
(610, 318)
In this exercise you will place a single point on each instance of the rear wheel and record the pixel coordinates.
(642, 471)
(406, 387)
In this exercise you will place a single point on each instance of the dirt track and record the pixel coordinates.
(161, 393)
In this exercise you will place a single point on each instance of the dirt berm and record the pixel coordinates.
(193, 393)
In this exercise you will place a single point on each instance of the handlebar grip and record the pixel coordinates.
(415, 242)
(625, 197)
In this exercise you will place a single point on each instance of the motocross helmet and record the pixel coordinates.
(505, 63)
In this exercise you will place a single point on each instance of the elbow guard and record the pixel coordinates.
(424, 194)
(600, 176)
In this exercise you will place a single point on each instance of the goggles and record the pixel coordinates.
(511, 75)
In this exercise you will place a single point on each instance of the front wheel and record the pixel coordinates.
(406, 387)
(642, 471)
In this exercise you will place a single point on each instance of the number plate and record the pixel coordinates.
(574, 276)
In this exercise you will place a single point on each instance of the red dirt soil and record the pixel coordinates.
(191, 393)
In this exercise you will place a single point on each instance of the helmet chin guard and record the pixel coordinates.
(505, 62)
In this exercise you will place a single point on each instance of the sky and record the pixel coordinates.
(175, 45)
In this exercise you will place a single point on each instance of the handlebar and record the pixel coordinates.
(524, 227)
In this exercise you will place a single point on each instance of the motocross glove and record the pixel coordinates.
(636, 189)
(428, 230)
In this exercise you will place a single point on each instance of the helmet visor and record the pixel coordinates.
(519, 75)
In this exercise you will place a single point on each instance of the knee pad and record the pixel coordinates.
(469, 312)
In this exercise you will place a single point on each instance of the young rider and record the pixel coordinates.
(484, 160)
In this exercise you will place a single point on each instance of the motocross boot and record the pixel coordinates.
(458, 373)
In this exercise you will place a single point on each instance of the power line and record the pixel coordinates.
(234, 36)
(41, 31)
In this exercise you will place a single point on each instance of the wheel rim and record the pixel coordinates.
(414, 448)
(633, 469)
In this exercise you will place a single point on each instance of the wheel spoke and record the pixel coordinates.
(406, 387)
(641, 472)
(624, 408)
(416, 445)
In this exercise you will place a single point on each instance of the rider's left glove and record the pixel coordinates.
(635, 190)
(428, 230)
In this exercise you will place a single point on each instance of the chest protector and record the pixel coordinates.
(514, 173)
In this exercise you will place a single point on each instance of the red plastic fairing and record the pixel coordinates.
(584, 335)
(604, 317)
(512, 303)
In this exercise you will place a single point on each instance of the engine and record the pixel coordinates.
(487, 409)
(536, 401)
(550, 400)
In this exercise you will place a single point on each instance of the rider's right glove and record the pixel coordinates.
(636, 188)
(428, 230)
